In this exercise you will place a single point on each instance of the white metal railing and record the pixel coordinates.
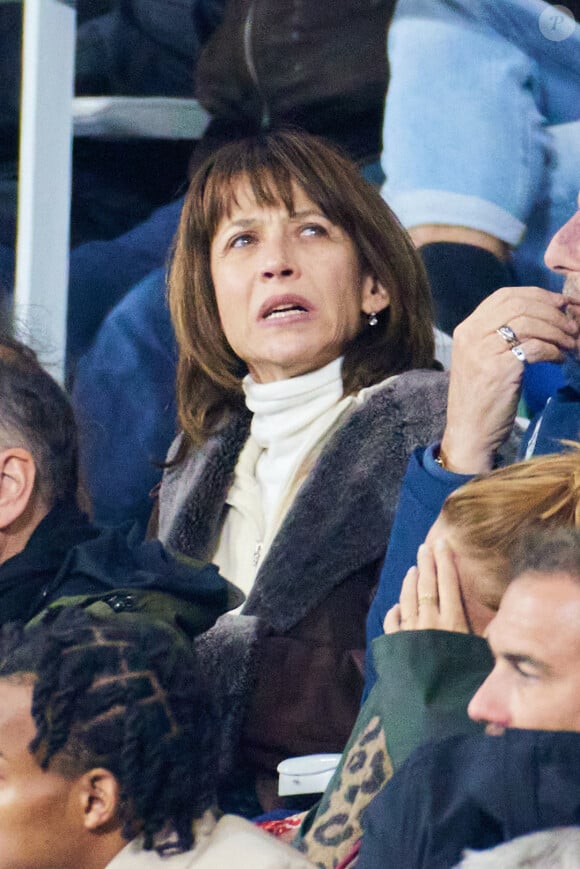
(44, 182)
(50, 116)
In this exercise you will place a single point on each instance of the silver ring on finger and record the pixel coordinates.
(519, 353)
(509, 336)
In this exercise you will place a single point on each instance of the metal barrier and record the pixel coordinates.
(50, 116)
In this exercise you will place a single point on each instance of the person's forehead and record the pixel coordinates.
(16, 723)
(243, 200)
(539, 615)
(440, 528)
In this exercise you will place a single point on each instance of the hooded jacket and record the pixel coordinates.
(69, 560)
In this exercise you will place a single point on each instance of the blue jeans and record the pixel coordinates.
(482, 122)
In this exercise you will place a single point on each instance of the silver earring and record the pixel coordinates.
(373, 319)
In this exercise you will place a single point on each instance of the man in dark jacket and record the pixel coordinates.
(49, 550)
(473, 791)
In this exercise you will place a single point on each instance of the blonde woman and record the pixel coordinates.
(433, 656)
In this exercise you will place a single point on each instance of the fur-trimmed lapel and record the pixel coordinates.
(193, 493)
(341, 518)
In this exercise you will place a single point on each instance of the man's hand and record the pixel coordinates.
(430, 595)
(486, 376)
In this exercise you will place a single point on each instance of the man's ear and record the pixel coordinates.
(17, 479)
(99, 795)
(375, 297)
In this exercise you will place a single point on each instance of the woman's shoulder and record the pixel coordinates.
(408, 383)
(179, 472)
(198, 475)
(223, 446)
(407, 397)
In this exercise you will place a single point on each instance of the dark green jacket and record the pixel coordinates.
(425, 681)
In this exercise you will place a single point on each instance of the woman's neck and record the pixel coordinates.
(284, 408)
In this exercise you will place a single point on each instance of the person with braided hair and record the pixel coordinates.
(107, 753)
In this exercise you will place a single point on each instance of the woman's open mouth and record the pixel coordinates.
(279, 313)
(284, 307)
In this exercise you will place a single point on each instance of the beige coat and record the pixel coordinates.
(232, 842)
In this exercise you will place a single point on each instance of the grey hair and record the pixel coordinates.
(36, 415)
(553, 550)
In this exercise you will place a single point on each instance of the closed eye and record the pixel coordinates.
(526, 673)
(526, 667)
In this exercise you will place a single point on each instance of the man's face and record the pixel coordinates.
(39, 810)
(535, 640)
(563, 254)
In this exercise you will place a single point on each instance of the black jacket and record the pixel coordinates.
(472, 792)
(67, 559)
(318, 66)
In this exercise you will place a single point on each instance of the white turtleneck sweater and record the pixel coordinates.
(292, 420)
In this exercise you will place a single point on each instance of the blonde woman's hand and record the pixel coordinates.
(430, 594)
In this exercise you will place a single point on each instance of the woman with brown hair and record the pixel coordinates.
(301, 311)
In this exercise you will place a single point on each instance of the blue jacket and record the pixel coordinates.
(426, 485)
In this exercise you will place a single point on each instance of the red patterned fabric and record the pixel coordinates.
(284, 829)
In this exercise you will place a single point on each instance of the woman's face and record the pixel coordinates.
(477, 578)
(290, 290)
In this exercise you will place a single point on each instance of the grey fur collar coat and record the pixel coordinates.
(338, 525)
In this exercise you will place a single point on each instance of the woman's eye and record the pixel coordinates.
(314, 229)
(241, 240)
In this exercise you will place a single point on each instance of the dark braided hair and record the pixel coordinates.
(124, 694)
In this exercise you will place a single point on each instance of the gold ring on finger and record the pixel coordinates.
(428, 598)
